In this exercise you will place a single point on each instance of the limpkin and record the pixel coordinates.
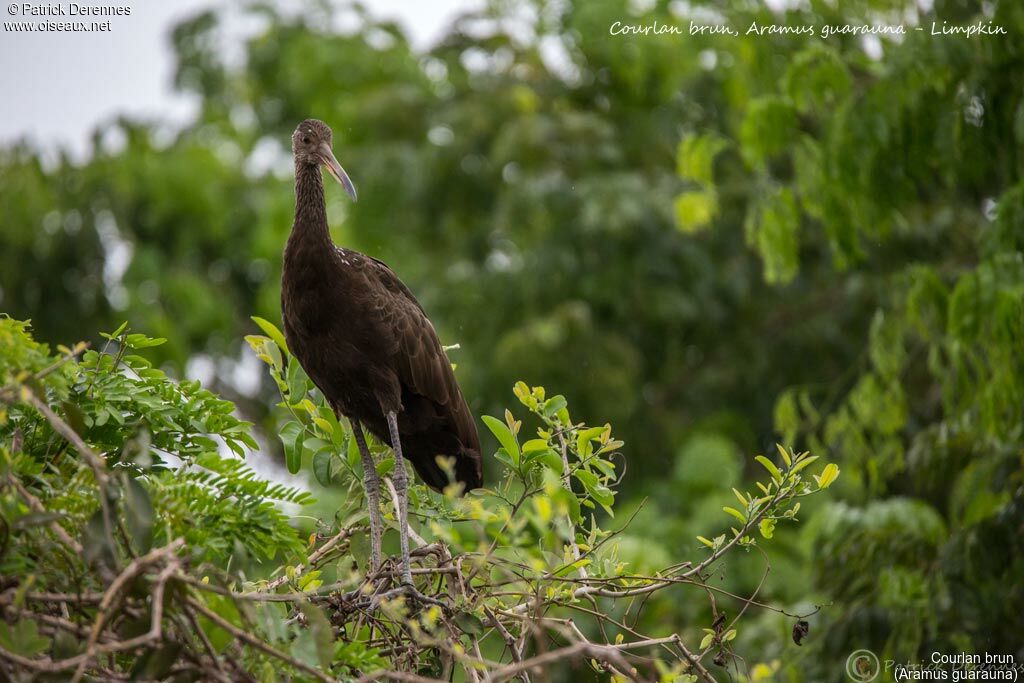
(366, 343)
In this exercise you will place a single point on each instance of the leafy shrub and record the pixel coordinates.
(136, 541)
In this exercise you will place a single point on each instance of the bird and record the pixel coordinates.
(369, 347)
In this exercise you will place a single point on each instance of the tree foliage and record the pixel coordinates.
(138, 542)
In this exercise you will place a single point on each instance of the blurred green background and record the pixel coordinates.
(713, 242)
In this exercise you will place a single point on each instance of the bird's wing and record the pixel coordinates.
(391, 282)
(421, 362)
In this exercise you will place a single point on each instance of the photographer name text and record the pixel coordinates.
(67, 9)
(64, 17)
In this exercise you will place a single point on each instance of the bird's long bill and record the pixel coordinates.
(335, 169)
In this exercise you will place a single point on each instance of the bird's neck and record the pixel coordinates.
(310, 226)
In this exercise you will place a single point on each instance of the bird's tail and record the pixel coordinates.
(466, 470)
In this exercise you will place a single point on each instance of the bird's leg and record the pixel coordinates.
(401, 478)
(371, 482)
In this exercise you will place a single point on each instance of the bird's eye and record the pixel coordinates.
(306, 140)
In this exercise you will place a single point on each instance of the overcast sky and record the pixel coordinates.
(57, 86)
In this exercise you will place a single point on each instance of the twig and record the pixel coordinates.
(203, 638)
(239, 634)
(403, 676)
(695, 662)
(394, 501)
(658, 584)
(313, 559)
(62, 428)
(37, 506)
(567, 482)
(136, 567)
(98, 465)
(604, 653)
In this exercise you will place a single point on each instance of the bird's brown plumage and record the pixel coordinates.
(365, 341)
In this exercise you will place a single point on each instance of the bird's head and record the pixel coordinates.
(311, 144)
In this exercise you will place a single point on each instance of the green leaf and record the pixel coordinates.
(352, 454)
(804, 463)
(469, 623)
(695, 210)
(816, 77)
(34, 519)
(386, 466)
(66, 646)
(573, 504)
(735, 513)
(767, 527)
(604, 496)
(551, 460)
(323, 636)
(22, 638)
(317, 444)
(707, 640)
(563, 416)
(139, 514)
(504, 458)
(590, 434)
(271, 331)
(337, 432)
(534, 445)
(522, 392)
(828, 475)
(322, 467)
(587, 478)
(224, 607)
(696, 155)
(141, 341)
(156, 663)
(769, 127)
(706, 541)
(266, 350)
(505, 437)
(292, 436)
(770, 466)
(606, 466)
(772, 227)
(785, 455)
(98, 546)
(553, 405)
(298, 386)
(116, 333)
